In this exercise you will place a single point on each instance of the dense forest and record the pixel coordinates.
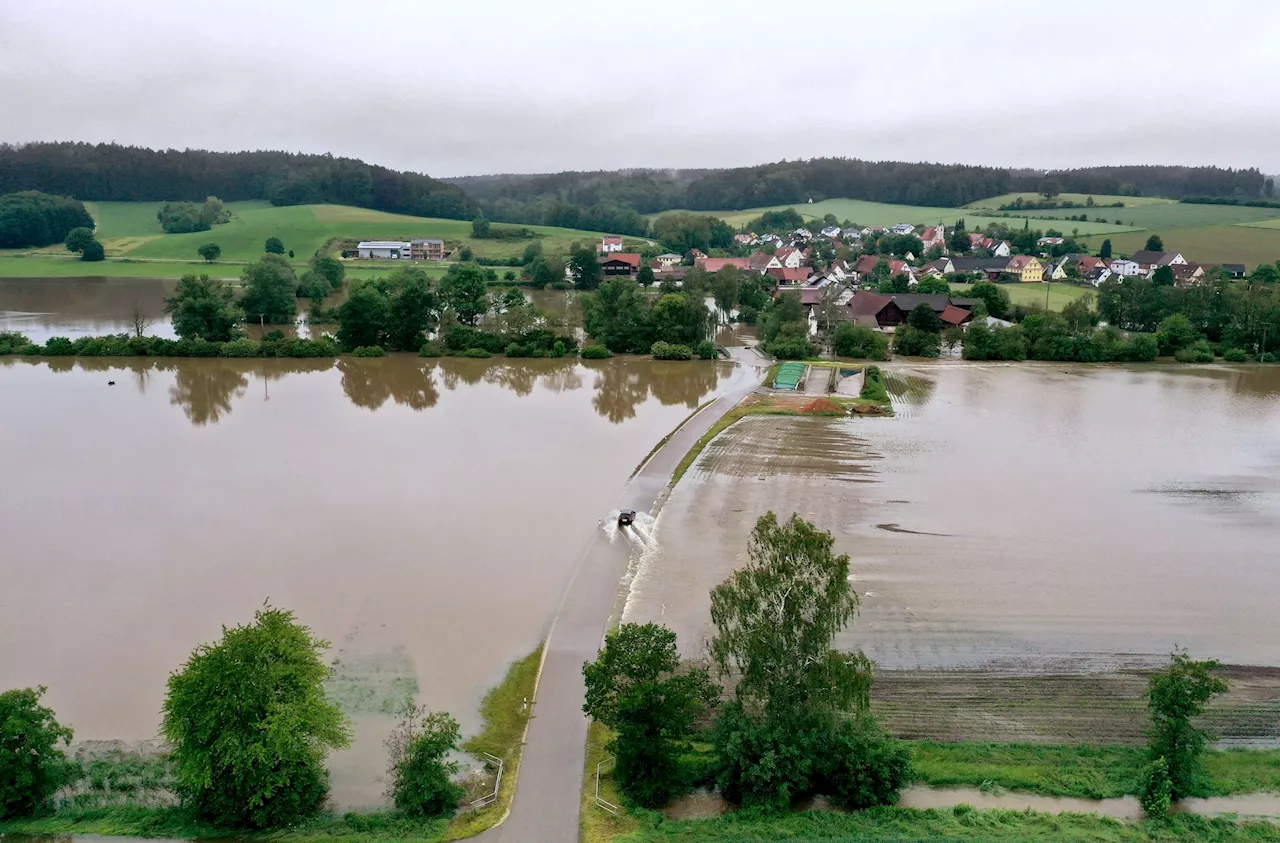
(554, 199)
(33, 219)
(110, 172)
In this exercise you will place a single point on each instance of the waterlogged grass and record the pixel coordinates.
(506, 710)
(959, 825)
(1090, 772)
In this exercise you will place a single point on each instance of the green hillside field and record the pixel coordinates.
(881, 213)
(137, 246)
(1059, 295)
(1246, 244)
(994, 202)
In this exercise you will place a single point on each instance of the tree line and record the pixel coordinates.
(31, 219)
(112, 172)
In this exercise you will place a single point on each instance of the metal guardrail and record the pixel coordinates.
(487, 800)
(601, 802)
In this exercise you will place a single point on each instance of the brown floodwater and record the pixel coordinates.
(421, 515)
(1029, 519)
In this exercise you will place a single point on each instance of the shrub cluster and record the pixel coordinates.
(1197, 352)
(123, 345)
(873, 386)
(860, 341)
(369, 351)
(596, 352)
(670, 351)
(791, 348)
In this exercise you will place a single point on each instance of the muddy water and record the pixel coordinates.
(421, 515)
(1015, 520)
(1259, 805)
(41, 308)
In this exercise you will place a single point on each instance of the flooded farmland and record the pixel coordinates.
(424, 516)
(1026, 539)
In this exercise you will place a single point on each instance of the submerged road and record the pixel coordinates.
(547, 803)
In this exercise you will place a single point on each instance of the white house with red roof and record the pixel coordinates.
(790, 257)
(611, 243)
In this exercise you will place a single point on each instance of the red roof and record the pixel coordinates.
(630, 258)
(759, 260)
(866, 264)
(787, 275)
(953, 315)
(611, 239)
(930, 233)
(717, 264)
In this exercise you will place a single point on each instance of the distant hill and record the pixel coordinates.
(109, 172)
(553, 198)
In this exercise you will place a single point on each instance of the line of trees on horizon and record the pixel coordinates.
(111, 172)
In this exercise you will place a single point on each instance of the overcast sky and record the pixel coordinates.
(457, 88)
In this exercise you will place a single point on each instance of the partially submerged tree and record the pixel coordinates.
(270, 291)
(419, 776)
(1175, 696)
(32, 766)
(635, 686)
(250, 724)
(203, 308)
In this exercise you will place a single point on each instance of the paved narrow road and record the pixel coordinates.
(548, 795)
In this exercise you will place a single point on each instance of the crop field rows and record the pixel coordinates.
(1105, 708)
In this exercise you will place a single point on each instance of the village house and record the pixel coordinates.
(760, 261)
(610, 243)
(1187, 274)
(866, 265)
(1049, 241)
(426, 250)
(668, 260)
(903, 228)
(1124, 267)
(770, 238)
(384, 249)
(934, 235)
(789, 256)
(980, 241)
(889, 311)
(1002, 249)
(831, 231)
(801, 234)
(717, 264)
(1235, 270)
(1028, 269)
(1148, 261)
(938, 268)
(993, 268)
(789, 277)
(621, 263)
(745, 239)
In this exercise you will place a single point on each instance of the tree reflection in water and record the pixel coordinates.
(370, 382)
(206, 389)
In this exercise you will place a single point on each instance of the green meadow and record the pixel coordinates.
(881, 213)
(994, 202)
(137, 246)
(1059, 295)
(1246, 244)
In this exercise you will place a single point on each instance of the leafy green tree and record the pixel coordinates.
(993, 296)
(542, 273)
(203, 309)
(31, 218)
(679, 318)
(1175, 333)
(635, 687)
(775, 620)
(932, 284)
(532, 252)
(419, 774)
(958, 242)
(331, 270)
(1154, 244)
(1175, 696)
(93, 252)
(250, 724)
(1265, 273)
(1079, 313)
(924, 318)
(414, 309)
(465, 291)
(32, 766)
(618, 316)
(1105, 251)
(645, 276)
(480, 228)
(465, 254)
(952, 336)
(79, 238)
(274, 246)
(1163, 276)
(585, 268)
(783, 318)
(860, 341)
(270, 291)
(1155, 791)
(881, 272)
(1050, 187)
(910, 341)
(364, 318)
(210, 252)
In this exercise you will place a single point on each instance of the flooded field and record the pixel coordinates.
(423, 516)
(1026, 539)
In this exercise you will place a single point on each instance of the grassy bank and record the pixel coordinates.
(959, 825)
(506, 710)
(1092, 772)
